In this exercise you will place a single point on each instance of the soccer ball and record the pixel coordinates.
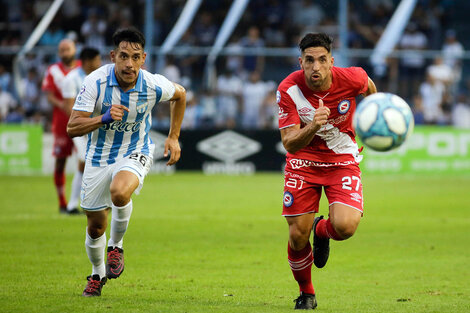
(383, 121)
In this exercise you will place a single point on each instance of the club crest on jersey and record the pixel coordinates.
(343, 106)
(141, 106)
(288, 199)
(278, 97)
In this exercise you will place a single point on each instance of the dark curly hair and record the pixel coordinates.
(316, 40)
(130, 34)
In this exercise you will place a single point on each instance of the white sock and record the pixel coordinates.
(119, 221)
(75, 194)
(95, 249)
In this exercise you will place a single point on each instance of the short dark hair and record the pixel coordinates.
(316, 40)
(130, 34)
(88, 53)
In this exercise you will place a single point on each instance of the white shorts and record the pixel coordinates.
(95, 194)
(80, 144)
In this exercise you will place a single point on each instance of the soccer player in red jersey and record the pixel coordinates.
(51, 85)
(316, 107)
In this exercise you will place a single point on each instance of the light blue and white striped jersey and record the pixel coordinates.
(112, 142)
(72, 83)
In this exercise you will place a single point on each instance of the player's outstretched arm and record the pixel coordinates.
(80, 122)
(177, 108)
(295, 138)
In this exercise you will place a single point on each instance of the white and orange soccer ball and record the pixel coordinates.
(383, 121)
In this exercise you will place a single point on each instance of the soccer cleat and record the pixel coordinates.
(321, 246)
(74, 211)
(115, 262)
(94, 285)
(63, 210)
(305, 301)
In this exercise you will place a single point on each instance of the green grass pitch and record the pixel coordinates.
(200, 243)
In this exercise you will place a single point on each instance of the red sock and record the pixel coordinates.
(59, 180)
(301, 265)
(324, 229)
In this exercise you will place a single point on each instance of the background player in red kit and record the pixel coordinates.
(316, 106)
(62, 143)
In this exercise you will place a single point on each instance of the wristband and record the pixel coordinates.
(106, 118)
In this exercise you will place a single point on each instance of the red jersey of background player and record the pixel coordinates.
(334, 142)
(54, 76)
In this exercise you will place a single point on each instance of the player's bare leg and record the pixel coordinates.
(95, 244)
(341, 224)
(299, 230)
(59, 181)
(123, 185)
(300, 258)
(344, 219)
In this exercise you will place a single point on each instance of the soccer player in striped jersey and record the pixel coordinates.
(316, 106)
(91, 60)
(114, 108)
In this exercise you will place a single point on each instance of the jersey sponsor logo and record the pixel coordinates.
(288, 199)
(339, 119)
(344, 106)
(294, 175)
(121, 126)
(141, 106)
(282, 115)
(106, 104)
(278, 97)
(299, 163)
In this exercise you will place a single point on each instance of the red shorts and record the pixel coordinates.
(63, 146)
(303, 187)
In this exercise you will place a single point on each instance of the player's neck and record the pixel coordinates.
(125, 86)
(70, 65)
(324, 87)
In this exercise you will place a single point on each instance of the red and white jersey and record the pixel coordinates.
(52, 81)
(54, 77)
(334, 142)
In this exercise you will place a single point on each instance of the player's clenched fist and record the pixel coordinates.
(321, 115)
(114, 113)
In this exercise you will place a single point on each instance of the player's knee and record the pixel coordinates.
(119, 196)
(96, 229)
(298, 237)
(345, 229)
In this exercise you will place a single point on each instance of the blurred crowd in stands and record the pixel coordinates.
(244, 93)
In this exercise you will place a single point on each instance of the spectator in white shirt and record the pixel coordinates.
(254, 93)
(229, 90)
